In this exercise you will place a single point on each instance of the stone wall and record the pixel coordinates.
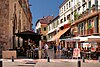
(7, 15)
(4, 23)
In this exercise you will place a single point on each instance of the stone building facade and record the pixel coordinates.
(15, 16)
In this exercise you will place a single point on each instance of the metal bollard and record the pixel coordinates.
(83, 59)
(12, 58)
(79, 63)
(0, 63)
(48, 59)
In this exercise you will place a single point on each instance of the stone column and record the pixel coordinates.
(99, 23)
(40, 50)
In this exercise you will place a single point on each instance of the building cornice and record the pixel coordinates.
(63, 3)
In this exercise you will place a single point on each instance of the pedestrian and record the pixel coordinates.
(55, 49)
(45, 50)
(59, 48)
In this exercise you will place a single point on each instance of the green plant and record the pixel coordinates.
(76, 15)
(71, 21)
(89, 26)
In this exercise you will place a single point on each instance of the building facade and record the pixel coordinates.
(78, 25)
(15, 17)
(41, 27)
(52, 28)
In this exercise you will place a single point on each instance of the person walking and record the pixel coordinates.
(55, 49)
(45, 50)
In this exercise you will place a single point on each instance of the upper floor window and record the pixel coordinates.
(71, 0)
(96, 3)
(57, 22)
(53, 25)
(44, 38)
(49, 27)
(61, 21)
(64, 19)
(89, 24)
(44, 28)
(64, 8)
(69, 4)
(68, 17)
(89, 4)
(83, 0)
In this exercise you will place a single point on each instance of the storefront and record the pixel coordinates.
(89, 46)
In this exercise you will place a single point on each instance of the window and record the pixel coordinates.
(96, 3)
(69, 5)
(53, 25)
(89, 26)
(44, 37)
(82, 28)
(83, 0)
(44, 28)
(64, 8)
(89, 5)
(79, 29)
(79, 8)
(61, 21)
(64, 19)
(68, 17)
(84, 7)
(96, 24)
(49, 28)
(57, 23)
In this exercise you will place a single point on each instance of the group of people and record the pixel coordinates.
(63, 50)
(45, 50)
(90, 52)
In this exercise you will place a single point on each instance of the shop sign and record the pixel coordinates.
(76, 53)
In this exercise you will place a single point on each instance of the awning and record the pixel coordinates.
(29, 35)
(58, 35)
(84, 39)
(93, 38)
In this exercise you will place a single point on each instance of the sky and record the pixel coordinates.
(42, 8)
